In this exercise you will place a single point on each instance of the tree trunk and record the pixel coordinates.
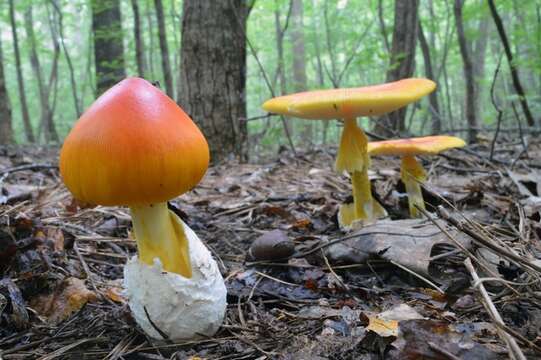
(164, 50)
(280, 67)
(299, 61)
(6, 131)
(29, 133)
(402, 64)
(47, 124)
(479, 52)
(433, 97)
(139, 45)
(108, 46)
(512, 66)
(383, 27)
(471, 94)
(213, 72)
(59, 34)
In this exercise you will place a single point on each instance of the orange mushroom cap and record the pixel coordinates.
(133, 146)
(428, 145)
(352, 102)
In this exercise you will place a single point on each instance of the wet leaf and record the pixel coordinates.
(418, 339)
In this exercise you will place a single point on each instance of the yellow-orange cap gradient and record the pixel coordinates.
(133, 146)
(428, 145)
(372, 100)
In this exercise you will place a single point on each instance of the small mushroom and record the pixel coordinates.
(411, 172)
(348, 104)
(135, 147)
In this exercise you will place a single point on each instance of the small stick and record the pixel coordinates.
(442, 351)
(514, 350)
(417, 275)
(27, 167)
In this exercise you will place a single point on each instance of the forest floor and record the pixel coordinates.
(396, 289)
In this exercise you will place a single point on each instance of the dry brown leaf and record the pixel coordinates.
(383, 328)
(68, 297)
(115, 294)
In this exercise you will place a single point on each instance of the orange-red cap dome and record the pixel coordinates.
(133, 146)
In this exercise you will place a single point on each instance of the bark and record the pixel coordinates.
(433, 97)
(213, 72)
(164, 49)
(402, 59)
(29, 133)
(479, 52)
(108, 46)
(512, 66)
(471, 94)
(6, 131)
(139, 45)
(297, 40)
(299, 61)
(46, 124)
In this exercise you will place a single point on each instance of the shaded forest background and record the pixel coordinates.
(221, 59)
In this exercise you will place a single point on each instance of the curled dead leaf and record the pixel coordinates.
(68, 297)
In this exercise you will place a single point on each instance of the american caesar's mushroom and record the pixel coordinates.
(135, 147)
(411, 172)
(348, 104)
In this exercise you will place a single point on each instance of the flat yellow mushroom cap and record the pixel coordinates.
(428, 145)
(352, 102)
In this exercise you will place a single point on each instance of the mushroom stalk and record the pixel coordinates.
(159, 234)
(412, 174)
(353, 157)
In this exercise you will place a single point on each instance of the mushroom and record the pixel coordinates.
(136, 147)
(411, 172)
(348, 104)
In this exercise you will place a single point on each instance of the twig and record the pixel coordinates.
(417, 275)
(28, 167)
(500, 112)
(487, 243)
(514, 350)
(442, 351)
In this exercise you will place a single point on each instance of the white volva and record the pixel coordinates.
(181, 308)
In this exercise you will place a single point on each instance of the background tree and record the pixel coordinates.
(299, 60)
(213, 72)
(108, 45)
(138, 38)
(432, 97)
(46, 127)
(29, 133)
(402, 64)
(471, 94)
(6, 131)
(164, 50)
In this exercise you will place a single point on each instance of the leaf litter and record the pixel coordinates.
(298, 287)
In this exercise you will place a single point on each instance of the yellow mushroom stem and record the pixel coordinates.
(353, 157)
(159, 234)
(412, 174)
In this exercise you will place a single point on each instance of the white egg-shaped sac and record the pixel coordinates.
(179, 307)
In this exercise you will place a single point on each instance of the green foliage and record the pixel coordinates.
(343, 43)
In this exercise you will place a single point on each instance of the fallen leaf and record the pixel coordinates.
(407, 242)
(68, 297)
(115, 294)
(383, 328)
